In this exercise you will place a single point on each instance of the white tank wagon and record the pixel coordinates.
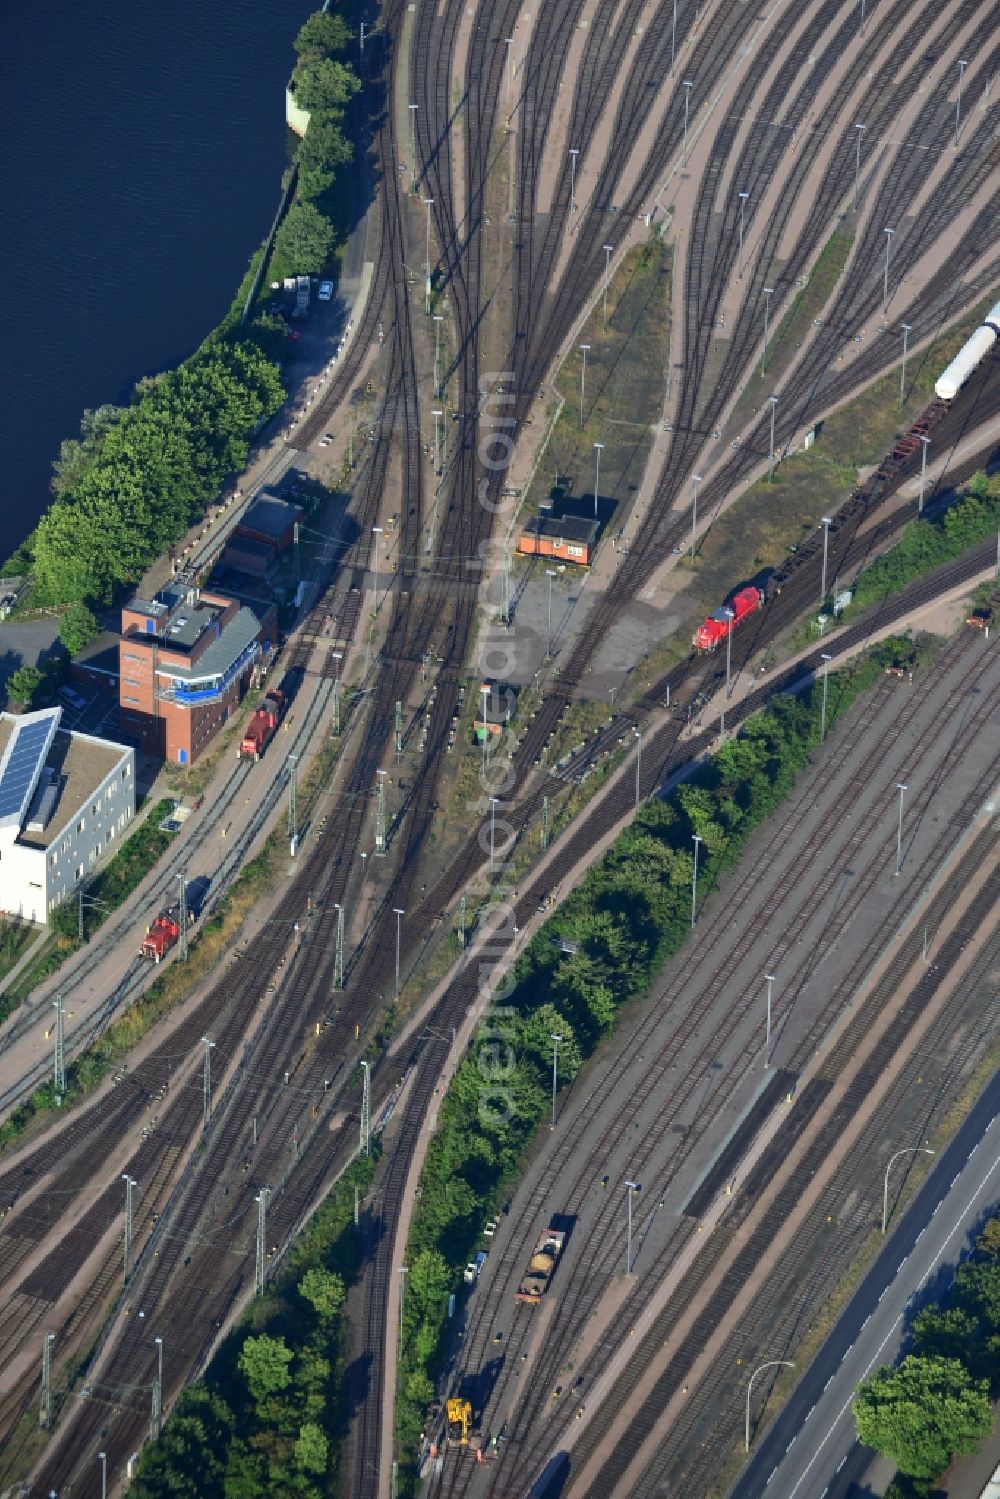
(969, 356)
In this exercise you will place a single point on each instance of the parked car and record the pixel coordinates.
(325, 291)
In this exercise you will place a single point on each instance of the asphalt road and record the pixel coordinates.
(810, 1451)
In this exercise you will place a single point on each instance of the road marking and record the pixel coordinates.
(883, 1296)
(828, 1384)
(809, 1413)
(920, 1234)
(901, 1265)
(955, 1177)
(937, 1209)
(842, 1462)
(855, 1382)
(864, 1325)
(773, 1472)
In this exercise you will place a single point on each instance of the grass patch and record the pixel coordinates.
(15, 939)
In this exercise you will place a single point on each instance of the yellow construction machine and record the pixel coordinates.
(459, 1414)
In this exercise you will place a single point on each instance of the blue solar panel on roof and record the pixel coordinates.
(27, 750)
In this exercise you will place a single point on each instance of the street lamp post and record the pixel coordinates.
(739, 254)
(583, 381)
(687, 85)
(631, 1188)
(673, 41)
(404, 1270)
(826, 659)
(428, 204)
(438, 320)
(508, 42)
(637, 731)
(772, 401)
(768, 294)
(607, 275)
(925, 441)
(376, 533)
(413, 148)
(774, 1363)
(907, 330)
(857, 163)
(695, 480)
(573, 154)
(962, 65)
(826, 522)
(767, 1033)
(493, 833)
(599, 448)
(437, 414)
(902, 789)
(399, 913)
(555, 1039)
(102, 1458)
(885, 276)
(907, 1150)
(730, 615)
(694, 880)
(550, 574)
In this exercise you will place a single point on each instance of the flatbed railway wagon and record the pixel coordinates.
(541, 1267)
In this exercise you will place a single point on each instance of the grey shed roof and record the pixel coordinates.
(241, 631)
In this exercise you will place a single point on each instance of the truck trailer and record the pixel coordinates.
(261, 728)
(541, 1267)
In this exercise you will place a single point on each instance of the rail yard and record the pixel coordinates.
(715, 1169)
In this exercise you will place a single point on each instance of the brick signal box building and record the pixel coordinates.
(185, 660)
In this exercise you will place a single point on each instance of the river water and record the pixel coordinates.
(143, 145)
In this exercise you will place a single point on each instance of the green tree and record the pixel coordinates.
(943, 1332)
(23, 683)
(321, 84)
(324, 1291)
(322, 32)
(988, 1242)
(324, 148)
(305, 240)
(311, 1448)
(78, 628)
(922, 1412)
(190, 1457)
(76, 452)
(977, 1290)
(264, 1362)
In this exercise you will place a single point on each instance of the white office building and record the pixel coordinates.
(65, 800)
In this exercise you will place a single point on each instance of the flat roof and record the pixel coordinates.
(24, 753)
(570, 528)
(189, 622)
(79, 762)
(241, 631)
(270, 516)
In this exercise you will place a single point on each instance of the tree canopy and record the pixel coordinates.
(151, 472)
(923, 1412)
(321, 84)
(264, 1365)
(78, 628)
(305, 240)
(23, 683)
(324, 1291)
(321, 33)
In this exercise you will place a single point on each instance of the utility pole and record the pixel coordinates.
(772, 401)
(413, 148)
(907, 330)
(380, 837)
(293, 811)
(962, 65)
(462, 909)
(295, 551)
(182, 913)
(45, 1411)
(79, 914)
(631, 1188)
(261, 1273)
(366, 1108)
(206, 1083)
(437, 414)
(545, 816)
(156, 1406)
(399, 732)
(338, 962)
(767, 1034)
(598, 450)
(731, 616)
(129, 1226)
(59, 1056)
(739, 256)
(638, 762)
(573, 154)
(687, 84)
(404, 1270)
(902, 789)
(428, 204)
(550, 573)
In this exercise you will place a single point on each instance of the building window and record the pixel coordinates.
(129, 699)
(131, 656)
(131, 681)
(575, 551)
(81, 824)
(150, 626)
(182, 756)
(52, 861)
(79, 873)
(125, 772)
